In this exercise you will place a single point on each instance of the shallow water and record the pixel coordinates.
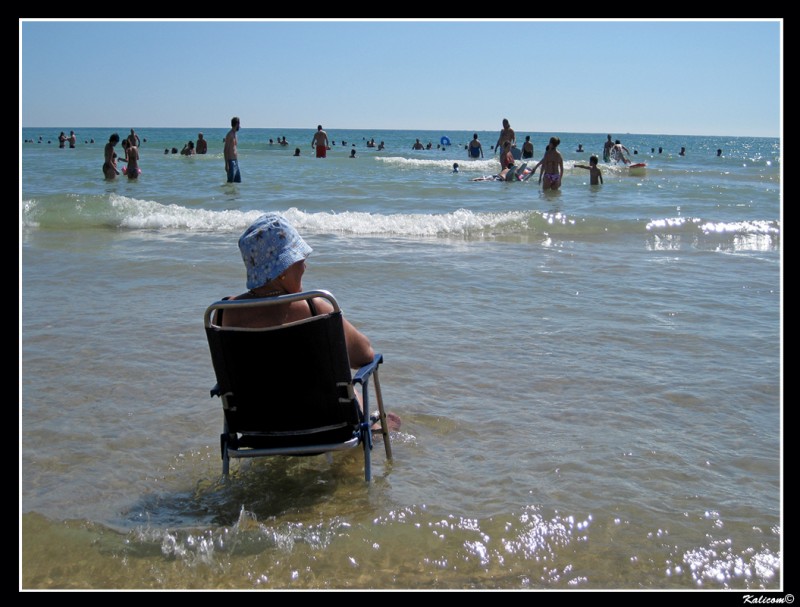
(589, 381)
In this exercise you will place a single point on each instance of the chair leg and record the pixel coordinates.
(366, 432)
(223, 443)
(368, 454)
(387, 443)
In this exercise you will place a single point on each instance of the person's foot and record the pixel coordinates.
(392, 421)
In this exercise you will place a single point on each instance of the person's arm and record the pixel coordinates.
(533, 170)
(359, 348)
(480, 147)
(600, 175)
(581, 166)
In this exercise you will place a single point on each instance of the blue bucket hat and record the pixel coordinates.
(269, 246)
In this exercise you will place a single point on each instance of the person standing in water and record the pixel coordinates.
(320, 142)
(231, 154)
(595, 175)
(527, 148)
(506, 134)
(607, 147)
(475, 147)
(552, 166)
(110, 158)
(132, 158)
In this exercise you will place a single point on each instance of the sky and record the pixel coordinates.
(676, 77)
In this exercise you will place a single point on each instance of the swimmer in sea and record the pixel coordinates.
(475, 148)
(527, 148)
(552, 166)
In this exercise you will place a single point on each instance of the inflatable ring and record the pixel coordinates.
(444, 140)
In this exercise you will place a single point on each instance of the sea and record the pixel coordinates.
(589, 380)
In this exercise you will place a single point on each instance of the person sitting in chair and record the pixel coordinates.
(274, 255)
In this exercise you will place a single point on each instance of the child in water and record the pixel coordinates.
(595, 175)
(132, 158)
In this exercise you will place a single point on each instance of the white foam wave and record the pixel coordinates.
(145, 214)
(482, 165)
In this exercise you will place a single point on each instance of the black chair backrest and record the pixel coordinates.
(287, 379)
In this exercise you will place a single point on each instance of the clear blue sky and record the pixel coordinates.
(664, 77)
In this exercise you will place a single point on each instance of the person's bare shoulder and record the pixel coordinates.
(323, 305)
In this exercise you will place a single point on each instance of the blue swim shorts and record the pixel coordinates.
(233, 172)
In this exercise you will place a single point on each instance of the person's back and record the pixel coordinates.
(618, 152)
(552, 166)
(552, 160)
(475, 147)
(201, 147)
(275, 255)
(527, 148)
(595, 175)
(320, 142)
(133, 162)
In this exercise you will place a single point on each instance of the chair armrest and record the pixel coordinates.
(364, 373)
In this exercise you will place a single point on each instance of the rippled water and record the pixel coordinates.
(589, 382)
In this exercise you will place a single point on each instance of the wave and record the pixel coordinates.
(760, 169)
(120, 212)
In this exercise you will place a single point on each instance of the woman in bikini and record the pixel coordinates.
(110, 158)
(552, 166)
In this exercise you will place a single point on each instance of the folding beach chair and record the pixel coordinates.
(289, 390)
